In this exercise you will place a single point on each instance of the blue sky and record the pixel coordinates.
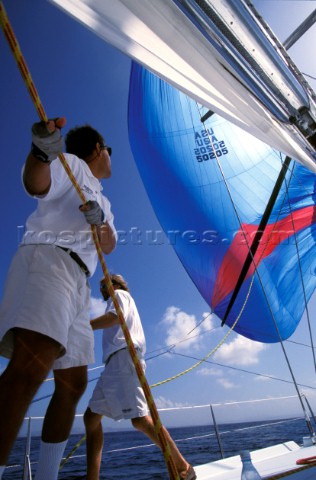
(84, 79)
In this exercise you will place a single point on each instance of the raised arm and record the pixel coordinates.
(47, 143)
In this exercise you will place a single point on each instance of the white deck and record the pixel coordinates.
(268, 461)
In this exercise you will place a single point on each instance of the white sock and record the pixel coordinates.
(49, 460)
(2, 467)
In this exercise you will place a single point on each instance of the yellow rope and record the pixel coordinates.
(199, 362)
(14, 46)
(214, 349)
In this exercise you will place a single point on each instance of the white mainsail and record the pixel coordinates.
(166, 39)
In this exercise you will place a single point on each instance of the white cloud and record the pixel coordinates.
(208, 371)
(162, 402)
(262, 379)
(225, 383)
(241, 351)
(217, 372)
(182, 329)
(97, 307)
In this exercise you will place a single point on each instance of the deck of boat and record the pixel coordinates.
(278, 461)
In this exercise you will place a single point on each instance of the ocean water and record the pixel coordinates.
(129, 454)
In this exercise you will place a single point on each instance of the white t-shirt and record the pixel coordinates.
(113, 337)
(57, 219)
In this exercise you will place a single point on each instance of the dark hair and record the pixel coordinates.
(81, 141)
(118, 280)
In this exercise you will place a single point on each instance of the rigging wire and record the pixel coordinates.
(301, 273)
(200, 323)
(169, 349)
(257, 273)
(186, 439)
(309, 76)
(200, 334)
(270, 377)
(276, 326)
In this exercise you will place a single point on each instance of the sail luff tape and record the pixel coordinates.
(15, 48)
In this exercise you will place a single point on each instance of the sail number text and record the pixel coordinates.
(207, 146)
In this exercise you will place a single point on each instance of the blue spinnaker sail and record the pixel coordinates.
(209, 185)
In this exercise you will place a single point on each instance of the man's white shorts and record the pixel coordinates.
(47, 292)
(118, 393)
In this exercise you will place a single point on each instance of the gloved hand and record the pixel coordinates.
(93, 212)
(47, 141)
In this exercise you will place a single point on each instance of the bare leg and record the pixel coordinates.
(146, 425)
(32, 359)
(70, 384)
(94, 443)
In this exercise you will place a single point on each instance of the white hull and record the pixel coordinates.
(278, 461)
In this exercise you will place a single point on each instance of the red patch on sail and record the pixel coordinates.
(273, 235)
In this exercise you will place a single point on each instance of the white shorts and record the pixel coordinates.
(47, 292)
(118, 393)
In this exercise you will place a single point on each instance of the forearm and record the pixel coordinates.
(36, 176)
(107, 238)
(105, 321)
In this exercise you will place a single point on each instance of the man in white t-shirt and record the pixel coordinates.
(44, 314)
(118, 393)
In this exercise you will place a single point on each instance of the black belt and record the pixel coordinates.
(77, 259)
(114, 353)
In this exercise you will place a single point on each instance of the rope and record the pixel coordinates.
(306, 461)
(165, 447)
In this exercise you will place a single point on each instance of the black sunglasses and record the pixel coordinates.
(105, 147)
